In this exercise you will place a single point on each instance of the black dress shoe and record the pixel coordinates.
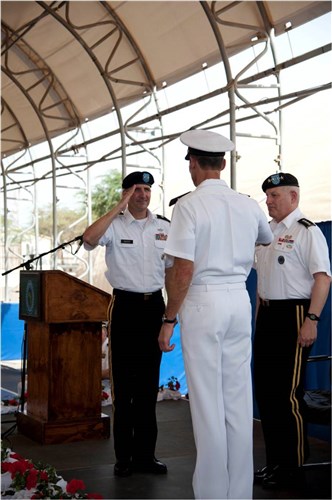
(123, 469)
(261, 473)
(281, 477)
(153, 466)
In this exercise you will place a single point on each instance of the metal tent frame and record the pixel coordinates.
(66, 63)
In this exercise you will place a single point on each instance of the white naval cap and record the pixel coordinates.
(205, 143)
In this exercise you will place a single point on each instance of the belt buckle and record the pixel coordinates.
(147, 296)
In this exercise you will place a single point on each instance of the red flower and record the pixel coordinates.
(13, 402)
(18, 467)
(32, 479)
(6, 467)
(104, 395)
(43, 476)
(74, 485)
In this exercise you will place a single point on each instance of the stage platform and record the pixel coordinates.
(92, 460)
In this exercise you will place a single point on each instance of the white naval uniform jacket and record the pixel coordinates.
(217, 228)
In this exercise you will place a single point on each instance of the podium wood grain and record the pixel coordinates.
(64, 362)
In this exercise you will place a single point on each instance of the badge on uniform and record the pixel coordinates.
(161, 237)
(146, 177)
(286, 242)
(276, 178)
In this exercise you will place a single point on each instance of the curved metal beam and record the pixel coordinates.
(43, 124)
(42, 74)
(230, 82)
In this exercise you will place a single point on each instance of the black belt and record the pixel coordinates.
(136, 295)
(282, 302)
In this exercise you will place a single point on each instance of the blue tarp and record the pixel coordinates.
(12, 329)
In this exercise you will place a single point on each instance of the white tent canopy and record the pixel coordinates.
(65, 64)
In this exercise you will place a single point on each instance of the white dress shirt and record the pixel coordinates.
(285, 268)
(134, 252)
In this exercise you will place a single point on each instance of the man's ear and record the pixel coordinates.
(223, 164)
(294, 196)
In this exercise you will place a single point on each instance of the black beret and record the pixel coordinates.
(137, 178)
(280, 179)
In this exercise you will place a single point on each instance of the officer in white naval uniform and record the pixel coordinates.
(212, 244)
(134, 239)
(293, 284)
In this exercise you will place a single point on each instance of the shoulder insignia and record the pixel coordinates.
(306, 222)
(174, 200)
(162, 217)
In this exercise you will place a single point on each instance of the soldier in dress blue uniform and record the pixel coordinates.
(134, 238)
(293, 284)
(211, 245)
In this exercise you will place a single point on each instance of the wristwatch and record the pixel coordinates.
(165, 319)
(312, 316)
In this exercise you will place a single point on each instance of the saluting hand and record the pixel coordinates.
(125, 197)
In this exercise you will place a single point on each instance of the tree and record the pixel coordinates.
(65, 218)
(106, 194)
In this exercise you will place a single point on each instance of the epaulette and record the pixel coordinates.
(162, 217)
(174, 200)
(306, 222)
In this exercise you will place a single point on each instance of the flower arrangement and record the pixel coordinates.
(104, 395)
(171, 391)
(21, 478)
(172, 384)
(16, 401)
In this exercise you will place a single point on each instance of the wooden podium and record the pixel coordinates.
(63, 316)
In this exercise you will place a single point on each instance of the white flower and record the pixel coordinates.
(6, 480)
(62, 483)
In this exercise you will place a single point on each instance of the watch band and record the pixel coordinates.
(312, 316)
(166, 320)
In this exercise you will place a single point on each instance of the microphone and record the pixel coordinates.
(80, 240)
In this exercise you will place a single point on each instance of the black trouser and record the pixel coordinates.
(279, 371)
(135, 361)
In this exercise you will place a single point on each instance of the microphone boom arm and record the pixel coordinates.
(27, 263)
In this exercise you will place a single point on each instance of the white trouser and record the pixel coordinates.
(216, 343)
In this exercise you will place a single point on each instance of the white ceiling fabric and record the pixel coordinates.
(65, 62)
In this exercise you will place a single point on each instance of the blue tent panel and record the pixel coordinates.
(12, 330)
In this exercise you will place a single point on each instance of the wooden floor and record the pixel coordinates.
(93, 461)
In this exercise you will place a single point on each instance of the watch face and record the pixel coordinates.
(313, 317)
